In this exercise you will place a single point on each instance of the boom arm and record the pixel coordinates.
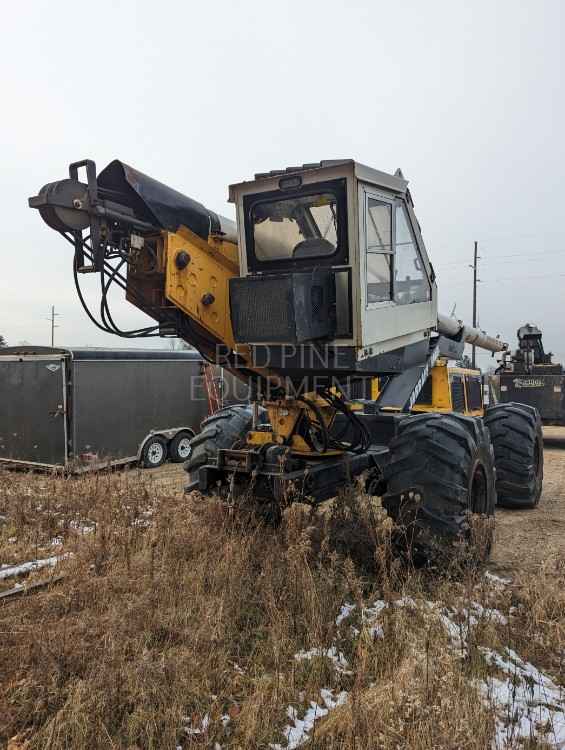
(140, 235)
(458, 331)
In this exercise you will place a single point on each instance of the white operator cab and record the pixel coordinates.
(360, 224)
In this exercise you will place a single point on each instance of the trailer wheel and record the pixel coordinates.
(221, 430)
(440, 481)
(154, 452)
(517, 437)
(179, 447)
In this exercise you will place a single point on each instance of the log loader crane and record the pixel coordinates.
(323, 299)
(530, 375)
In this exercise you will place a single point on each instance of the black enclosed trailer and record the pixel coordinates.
(92, 407)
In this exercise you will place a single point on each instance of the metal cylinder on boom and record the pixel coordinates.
(458, 331)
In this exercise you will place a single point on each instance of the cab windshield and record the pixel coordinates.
(294, 228)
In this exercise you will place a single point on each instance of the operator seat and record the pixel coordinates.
(313, 247)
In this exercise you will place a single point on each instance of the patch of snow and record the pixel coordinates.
(371, 613)
(340, 662)
(202, 729)
(28, 567)
(405, 601)
(458, 623)
(330, 701)
(298, 732)
(487, 613)
(497, 580)
(344, 613)
(457, 633)
(141, 523)
(529, 705)
(376, 631)
(83, 527)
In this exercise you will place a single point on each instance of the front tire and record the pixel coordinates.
(221, 430)
(440, 480)
(516, 434)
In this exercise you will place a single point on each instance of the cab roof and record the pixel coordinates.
(395, 182)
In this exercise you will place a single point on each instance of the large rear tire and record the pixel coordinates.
(221, 430)
(516, 434)
(440, 480)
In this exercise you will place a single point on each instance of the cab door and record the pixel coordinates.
(397, 295)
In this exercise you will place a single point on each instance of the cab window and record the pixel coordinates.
(295, 228)
(410, 280)
(379, 251)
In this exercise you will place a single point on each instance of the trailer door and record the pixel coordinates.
(32, 410)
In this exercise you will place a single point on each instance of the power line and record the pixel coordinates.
(495, 258)
(517, 278)
(509, 278)
(532, 256)
(513, 238)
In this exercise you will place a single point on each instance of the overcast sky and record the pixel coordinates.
(466, 97)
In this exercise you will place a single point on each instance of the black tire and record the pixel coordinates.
(179, 447)
(154, 452)
(221, 430)
(440, 477)
(516, 434)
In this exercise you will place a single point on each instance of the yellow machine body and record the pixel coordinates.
(452, 389)
(447, 389)
(201, 288)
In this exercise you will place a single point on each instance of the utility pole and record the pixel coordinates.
(475, 280)
(51, 319)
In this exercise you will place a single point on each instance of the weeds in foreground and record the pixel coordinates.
(182, 624)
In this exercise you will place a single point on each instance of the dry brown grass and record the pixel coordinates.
(173, 610)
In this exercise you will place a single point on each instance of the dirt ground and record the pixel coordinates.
(171, 476)
(524, 539)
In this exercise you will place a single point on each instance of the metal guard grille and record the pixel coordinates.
(262, 309)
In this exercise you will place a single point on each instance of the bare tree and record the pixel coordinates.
(2, 341)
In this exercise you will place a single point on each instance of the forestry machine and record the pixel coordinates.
(323, 299)
(530, 376)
